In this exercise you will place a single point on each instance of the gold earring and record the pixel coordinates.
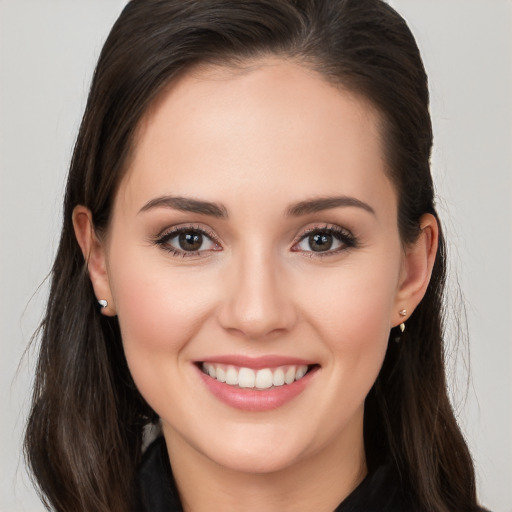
(402, 325)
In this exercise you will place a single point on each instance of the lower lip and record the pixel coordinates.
(256, 400)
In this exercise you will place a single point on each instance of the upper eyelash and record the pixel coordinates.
(164, 237)
(343, 234)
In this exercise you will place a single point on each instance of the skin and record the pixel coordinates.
(257, 141)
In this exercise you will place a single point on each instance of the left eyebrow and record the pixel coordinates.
(186, 204)
(327, 203)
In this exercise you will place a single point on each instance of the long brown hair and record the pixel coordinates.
(84, 435)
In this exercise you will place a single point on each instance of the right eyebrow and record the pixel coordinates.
(186, 204)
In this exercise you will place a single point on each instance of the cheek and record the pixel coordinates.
(159, 311)
(354, 300)
(352, 310)
(155, 302)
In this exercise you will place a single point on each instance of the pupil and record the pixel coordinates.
(190, 241)
(320, 242)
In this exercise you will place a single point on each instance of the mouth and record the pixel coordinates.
(256, 384)
(261, 379)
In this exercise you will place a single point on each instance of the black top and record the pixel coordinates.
(380, 491)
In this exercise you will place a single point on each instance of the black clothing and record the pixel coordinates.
(156, 491)
(380, 491)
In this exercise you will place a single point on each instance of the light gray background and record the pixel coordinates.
(47, 52)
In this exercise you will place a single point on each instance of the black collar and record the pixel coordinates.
(380, 491)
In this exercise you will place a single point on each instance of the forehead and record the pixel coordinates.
(272, 123)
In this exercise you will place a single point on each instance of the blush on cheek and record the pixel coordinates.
(158, 308)
(363, 354)
(343, 311)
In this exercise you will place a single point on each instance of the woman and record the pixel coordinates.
(251, 259)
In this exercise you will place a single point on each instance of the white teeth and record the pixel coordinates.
(264, 378)
(221, 374)
(232, 376)
(246, 378)
(301, 371)
(289, 376)
(278, 377)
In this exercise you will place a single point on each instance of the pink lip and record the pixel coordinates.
(256, 363)
(254, 400)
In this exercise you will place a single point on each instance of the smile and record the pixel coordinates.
(263, 378)
(257, 384)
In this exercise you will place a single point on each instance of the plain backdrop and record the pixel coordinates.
(48, 50)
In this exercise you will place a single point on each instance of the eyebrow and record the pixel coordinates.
(219, 211)
(326, 203)
(185, 204)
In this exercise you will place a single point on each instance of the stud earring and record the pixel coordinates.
(103, 303)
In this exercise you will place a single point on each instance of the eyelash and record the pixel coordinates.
(342, 235)
(163, 240)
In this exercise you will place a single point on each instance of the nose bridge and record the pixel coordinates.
(258, 302)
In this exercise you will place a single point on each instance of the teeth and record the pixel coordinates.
(255, 379)
(301, 371)
(232, 376)
(246, 378)
(278, 377)
(289, 376)
(264, 379)
(221, 374)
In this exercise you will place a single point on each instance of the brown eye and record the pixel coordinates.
(320, 242)
(190, 241)
(325, 241)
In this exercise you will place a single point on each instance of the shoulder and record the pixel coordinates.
(380, 491)
(384, 491)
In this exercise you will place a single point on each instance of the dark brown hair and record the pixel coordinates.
(84, 435)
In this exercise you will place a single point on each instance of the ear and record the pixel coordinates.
(94, 253)
(416, 271)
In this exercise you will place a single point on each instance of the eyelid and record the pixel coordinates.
(169, 233)
(180, 228)
(342, 234)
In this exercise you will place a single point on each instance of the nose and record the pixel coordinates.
(257, 302)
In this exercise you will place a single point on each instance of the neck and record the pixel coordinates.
(320, 481)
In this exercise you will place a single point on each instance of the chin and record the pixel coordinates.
(242, 447)
(256, 460)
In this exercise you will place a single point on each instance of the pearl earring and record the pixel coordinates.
(103, 303)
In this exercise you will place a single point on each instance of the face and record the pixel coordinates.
(255, 265)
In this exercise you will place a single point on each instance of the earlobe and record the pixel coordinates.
(94, 254)
(418, 263)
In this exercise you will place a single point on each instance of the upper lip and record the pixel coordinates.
(256, 363)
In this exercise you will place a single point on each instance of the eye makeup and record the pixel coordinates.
(197, 241)
(326, 240)
(187, 241)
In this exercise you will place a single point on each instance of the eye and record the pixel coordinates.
(191, 241)
(187, 241)
(325, 240)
